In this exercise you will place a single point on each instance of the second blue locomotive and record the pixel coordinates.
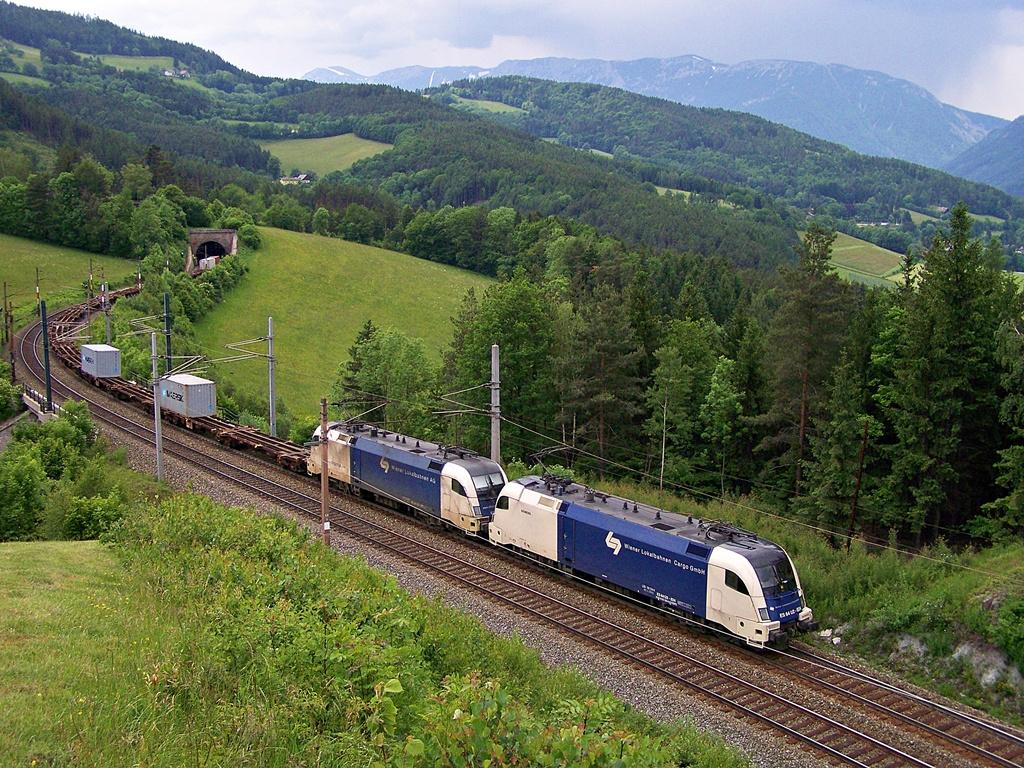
(442, 482)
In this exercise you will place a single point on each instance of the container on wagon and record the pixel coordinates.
(188, 395)
(101, 360)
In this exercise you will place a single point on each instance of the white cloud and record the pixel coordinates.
(992, 84)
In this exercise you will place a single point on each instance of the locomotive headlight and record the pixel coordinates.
(763, 612)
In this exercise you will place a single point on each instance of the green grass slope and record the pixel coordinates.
(61, 270)
(320, 291)
(321, 156)
(862, 262)
(61, 627)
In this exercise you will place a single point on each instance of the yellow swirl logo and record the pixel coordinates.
(384, 465)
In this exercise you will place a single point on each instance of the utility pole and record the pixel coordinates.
(156, 414)
(46, 356)
(270, 365)
(664, 432)
(9, 325)
(495, 406)
(167, 331)
(325, 493)
(106, 309)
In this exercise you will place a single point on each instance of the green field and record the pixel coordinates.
(917, 217)
(31, 56)
(863, 262)
(320, 291)
(321, 156)
(14, 77)
(61, 269)
(494, 107)
(138, 63)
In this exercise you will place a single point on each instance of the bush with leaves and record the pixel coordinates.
(10, 393)
(53, 480)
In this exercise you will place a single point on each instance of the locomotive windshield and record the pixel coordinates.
(776, 578)
(488, 486)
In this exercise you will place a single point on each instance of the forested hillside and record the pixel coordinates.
(738, 152)
(998, 159)
(857, 108)
(53, 30)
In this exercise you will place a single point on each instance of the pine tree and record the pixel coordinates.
(943, 396)
(605, 391)
(1005, 516)
(804, 340)
(721, 414)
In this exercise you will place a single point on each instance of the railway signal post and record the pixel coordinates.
(156, 414)
(325, 493)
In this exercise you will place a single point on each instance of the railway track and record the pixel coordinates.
(904, 729)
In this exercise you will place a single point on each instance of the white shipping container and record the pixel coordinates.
(188, 395)
(101, 360)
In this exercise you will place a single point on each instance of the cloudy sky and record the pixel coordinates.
(969, 54)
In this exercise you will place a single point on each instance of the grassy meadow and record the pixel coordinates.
(320, 292)
(321, 156)
(494, 107)
(64, 635)
(62, 271)
(863, 262)
(182, 652)
(138, 63)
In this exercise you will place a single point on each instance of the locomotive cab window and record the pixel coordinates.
(457, 487)
(486, 482)
(776, 578)
(502, 503)
(735, 582)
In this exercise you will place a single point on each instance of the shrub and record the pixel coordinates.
(90, 518)
(1009, 629)
(250, 237)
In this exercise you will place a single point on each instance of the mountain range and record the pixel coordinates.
(869, 112)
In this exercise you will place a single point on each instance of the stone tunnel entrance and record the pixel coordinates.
(204, 243)
(210, 248)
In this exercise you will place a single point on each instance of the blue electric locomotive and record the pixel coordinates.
(444, 482)
(712, 572)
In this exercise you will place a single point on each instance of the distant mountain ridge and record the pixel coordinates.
(998, 159)
(869, 112)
